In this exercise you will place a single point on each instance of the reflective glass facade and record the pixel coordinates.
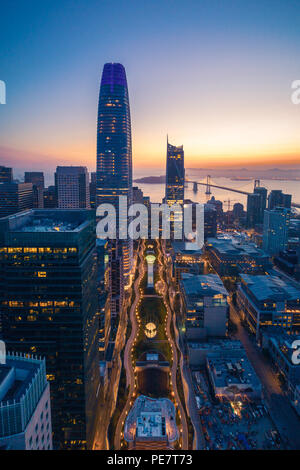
(175, 174)
(48, 288)
(114, 152)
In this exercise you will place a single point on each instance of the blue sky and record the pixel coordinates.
(214, 75)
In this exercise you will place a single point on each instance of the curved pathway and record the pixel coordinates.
(190, 402)
(185, 433)
(130, 380)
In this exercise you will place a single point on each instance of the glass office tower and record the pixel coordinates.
(175, 183)
(114, 153)
(175, 174)
(49, 308)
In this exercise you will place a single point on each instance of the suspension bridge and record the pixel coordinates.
(209, 184)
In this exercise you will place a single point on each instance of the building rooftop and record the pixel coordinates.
(216, 344)
(235, 245)
(181, 247)
(203, 285)
(71, 170)
(282, 341)
(151, 424)
(47, 221)
(22, 383)
(231, 369)
(48, 225)
(151, 419)
(264, 287)
(24, 370)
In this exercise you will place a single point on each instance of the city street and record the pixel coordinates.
(285, 418)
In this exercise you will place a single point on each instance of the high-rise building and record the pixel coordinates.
(253, 210)
(218, 206)
(114, 153)
(25, 412)
(104, 317)
(278, 199)
(38, 186)
(175, 175)
(50, 198)
(262, 192)
(49, 307)
(256, 205)
(275, 231)
(93, 188)
(175, 184)
(114, 163)
(15, 197)
(6, 174)
(72, 187)
(116, 277)
(137, 195)
(238, 211)
(210, 221)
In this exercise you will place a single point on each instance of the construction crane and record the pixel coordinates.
(229, 201)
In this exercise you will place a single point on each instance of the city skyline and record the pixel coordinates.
(150, 228)
(218, 81)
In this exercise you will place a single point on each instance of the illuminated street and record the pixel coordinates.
(135, 341)
(150, 229)
(280, 409)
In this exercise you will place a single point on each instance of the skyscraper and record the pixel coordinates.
(238, 210)
(93, 186)
(262, 192)
(38, 186)
(256, 205)
(275, 232)
(114, 153)
(278, 199)
(175, 184)
(114, 159)
(6, 174)
(72, 187)
(25, 413)
(15, 197)
(50, 198)
(175, 174)
(48, 295)
(253, 210)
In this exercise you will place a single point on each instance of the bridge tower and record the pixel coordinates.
(256, 184)
(195, 187)
(208, 191)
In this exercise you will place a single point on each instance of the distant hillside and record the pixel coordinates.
(151, 179)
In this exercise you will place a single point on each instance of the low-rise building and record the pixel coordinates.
(205, 306)
(279, 344)
(289, 262)
(197, 351)
(185, 260)
(232, 376)
(268, 301)
(151, 424)
(25, 415)
(231, 254)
